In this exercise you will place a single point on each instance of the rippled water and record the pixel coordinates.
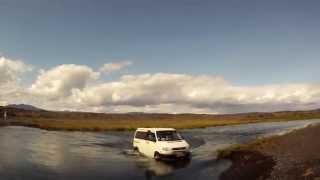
(28, 153)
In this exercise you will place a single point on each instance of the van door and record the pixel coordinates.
(151, 144)
(140, 141)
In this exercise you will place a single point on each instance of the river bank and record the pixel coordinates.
(88, 121)
(97, 125)
(291, 156)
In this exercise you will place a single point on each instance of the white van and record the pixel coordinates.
(160, 142)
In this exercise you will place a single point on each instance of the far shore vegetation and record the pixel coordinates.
(81, 121)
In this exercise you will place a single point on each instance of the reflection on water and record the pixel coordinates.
(160, 168)
(28, 153)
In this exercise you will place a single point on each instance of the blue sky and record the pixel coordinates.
(247, 42)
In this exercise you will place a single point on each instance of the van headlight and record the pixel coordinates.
(166, 149)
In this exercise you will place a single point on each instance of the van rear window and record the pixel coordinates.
(141, 135)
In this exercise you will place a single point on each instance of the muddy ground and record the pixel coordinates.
(292, 156)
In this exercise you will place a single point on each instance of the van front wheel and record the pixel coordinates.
(136, 150)
(157, 156)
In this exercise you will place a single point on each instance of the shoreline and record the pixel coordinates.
(92, 125)
(89, 121)
(294, 155)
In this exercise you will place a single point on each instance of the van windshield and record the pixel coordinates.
(168, 136)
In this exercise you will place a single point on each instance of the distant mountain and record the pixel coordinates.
(24, 107)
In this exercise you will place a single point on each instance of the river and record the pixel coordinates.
(30, 153)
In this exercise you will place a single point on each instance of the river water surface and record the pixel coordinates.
(29, 153)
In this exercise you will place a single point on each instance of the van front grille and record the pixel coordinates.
(179, 148)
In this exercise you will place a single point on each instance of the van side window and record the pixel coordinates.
(141, 135)
(151, 137)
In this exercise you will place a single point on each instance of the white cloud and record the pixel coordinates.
(61, 80)
(76, 87)
(111, 67)
(3, 103)
(147, 89)
(156, 92)
(10, 71)
(161, 108)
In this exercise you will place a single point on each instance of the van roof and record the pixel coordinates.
(155, 129)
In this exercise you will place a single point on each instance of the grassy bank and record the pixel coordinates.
(82, 121)
(291, 156)
(248, 162)
(121, 125)
(253, 145)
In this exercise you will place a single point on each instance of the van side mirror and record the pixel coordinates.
(153, 139)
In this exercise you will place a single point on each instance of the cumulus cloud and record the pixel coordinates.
(161, 108)
(77, 87)
(11, 70)
(156, 92)
(60, 81)
(150, 89)
(3, 103)
(111, 67)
